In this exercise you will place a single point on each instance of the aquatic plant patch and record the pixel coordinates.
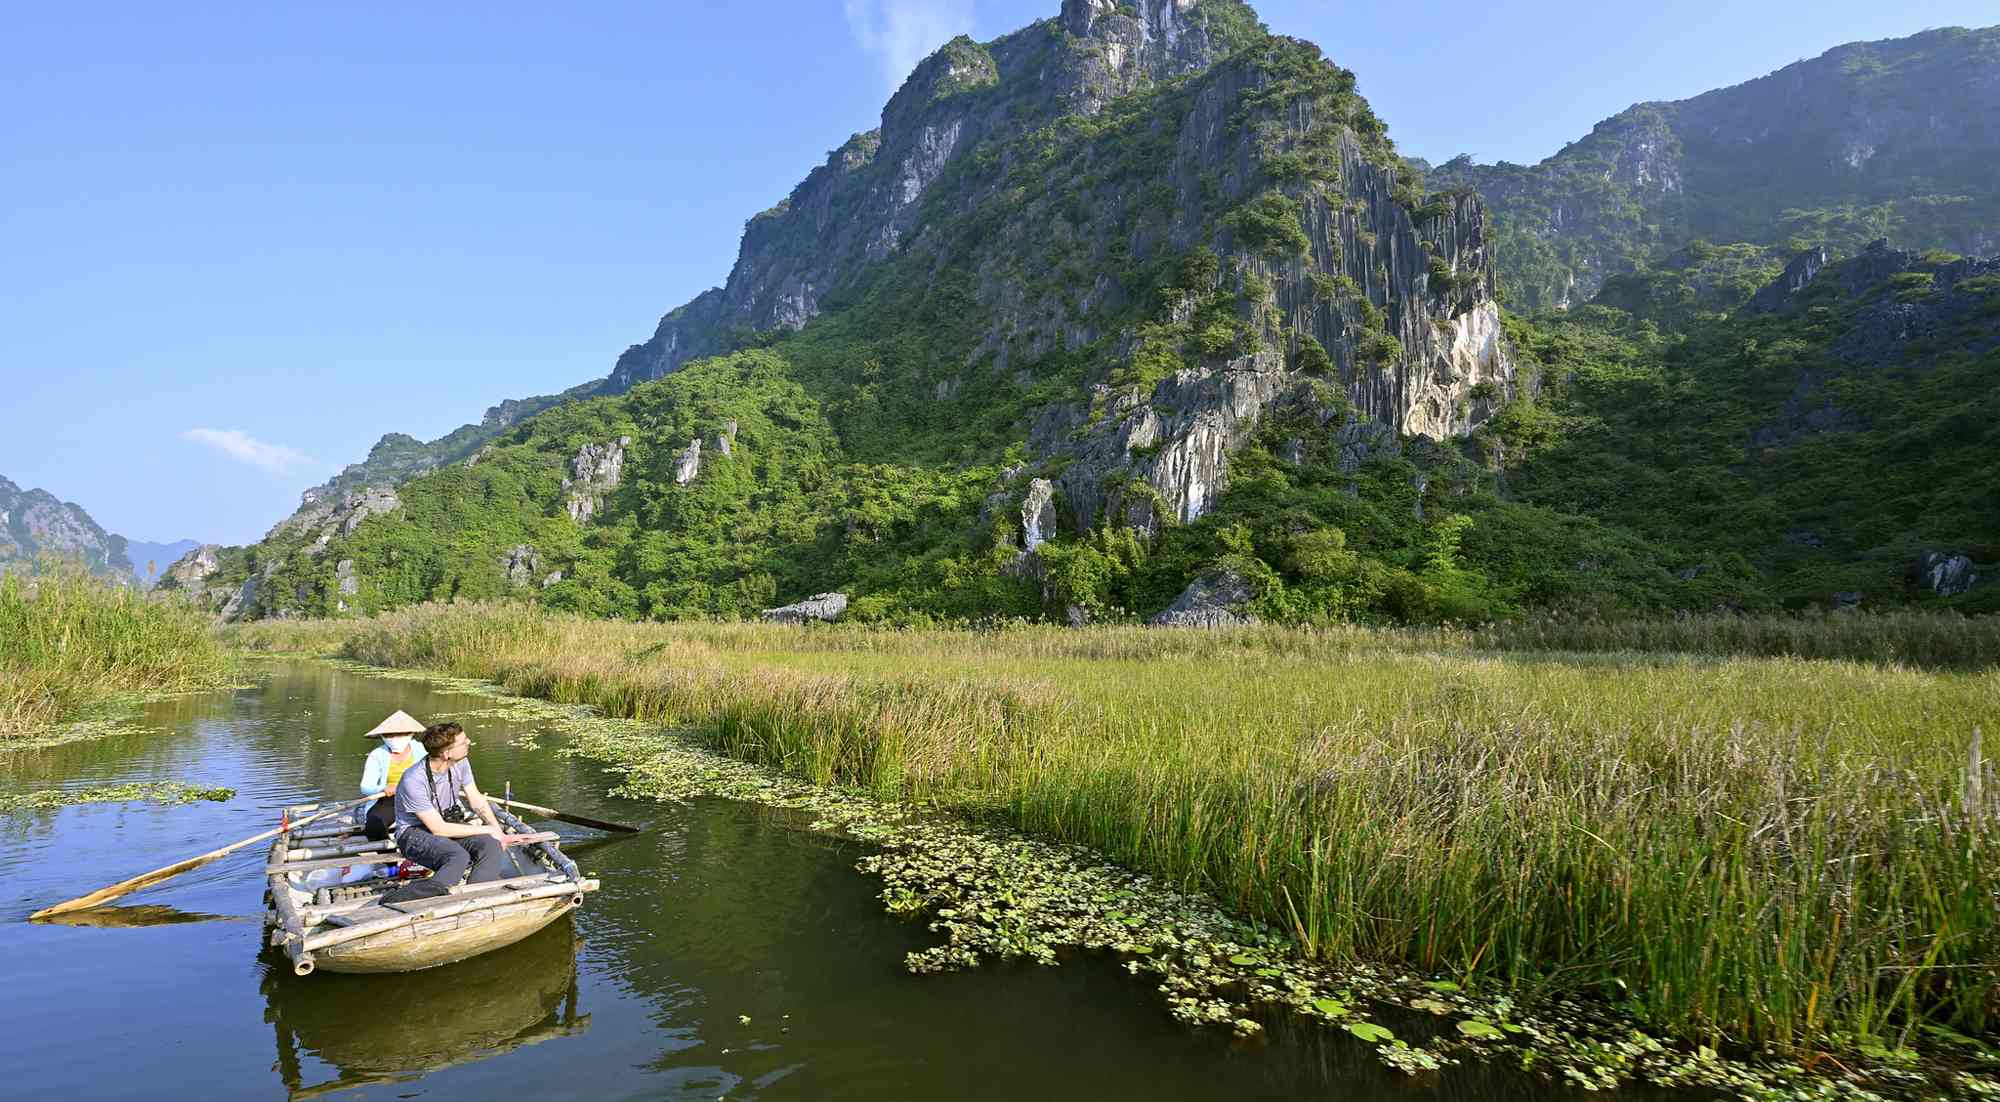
(165, 792)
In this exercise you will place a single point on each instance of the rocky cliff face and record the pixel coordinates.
(34, 523)
(865, 201)
(1870, 139)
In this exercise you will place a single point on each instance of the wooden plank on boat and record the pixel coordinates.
(372, 909)
(342, 849)
(332, 863)
(442, 907)
(366, 858)
(333, 912)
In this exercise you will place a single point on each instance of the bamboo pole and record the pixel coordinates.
(317, 914)
(566, 817)
(364, 845)
(383, 858)
(159, 875)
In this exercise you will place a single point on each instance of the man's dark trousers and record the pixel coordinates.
(448, 858)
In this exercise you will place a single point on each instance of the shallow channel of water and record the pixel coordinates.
(718, 912)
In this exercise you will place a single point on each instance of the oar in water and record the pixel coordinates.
(147, 880)
(566, 817)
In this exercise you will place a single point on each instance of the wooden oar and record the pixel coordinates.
(147, 880)
(566, 817)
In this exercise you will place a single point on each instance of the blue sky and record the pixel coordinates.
(242, 243)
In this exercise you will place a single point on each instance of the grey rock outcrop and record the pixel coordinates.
(1214, 600)
(521, 563)
(322, 517)
(820, 606)
(1038, 514)
(192, 569)
(1944, 574)
(1782, 292)
(594, 472)
(687, 465)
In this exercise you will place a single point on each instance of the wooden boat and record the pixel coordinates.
(347, 927)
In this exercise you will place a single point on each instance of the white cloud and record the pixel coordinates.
(243, 448)
(900, 33)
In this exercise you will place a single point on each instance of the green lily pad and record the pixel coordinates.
(1442, 985)
(1242, 958)
(1370, 1032)
(1512, 1028)
(1142, 949)
(1332, 1008)
(1479, 1029)
(1432, 1005)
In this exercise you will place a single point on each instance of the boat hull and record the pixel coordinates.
(430, 943)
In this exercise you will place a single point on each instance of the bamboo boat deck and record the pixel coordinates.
(348, 928)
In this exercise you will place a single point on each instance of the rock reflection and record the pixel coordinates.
(363, 1028)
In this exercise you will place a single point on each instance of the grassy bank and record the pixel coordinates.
(67, 639)
(1771, 850)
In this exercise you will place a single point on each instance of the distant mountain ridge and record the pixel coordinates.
(34, 523)
(1895, 139)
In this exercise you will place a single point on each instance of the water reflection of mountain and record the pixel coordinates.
(367, 1030)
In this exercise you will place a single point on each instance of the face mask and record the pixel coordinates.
(397, 746)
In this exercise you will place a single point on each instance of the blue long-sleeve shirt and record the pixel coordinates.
(375, 771)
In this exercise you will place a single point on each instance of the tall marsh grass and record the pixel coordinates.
(1759, 850)
(67, 638)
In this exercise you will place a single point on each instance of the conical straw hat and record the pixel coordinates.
(398, 724)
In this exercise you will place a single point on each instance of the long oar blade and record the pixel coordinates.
(566, 817)
(148, 879)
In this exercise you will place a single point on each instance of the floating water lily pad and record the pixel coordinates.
(1331, 1007)
(1242, 958)
(1479, 1028)
(1442, 985)
(1432, 1005)
(1370, 1032)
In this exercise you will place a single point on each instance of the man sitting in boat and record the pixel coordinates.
(435, 829)
(385, 767)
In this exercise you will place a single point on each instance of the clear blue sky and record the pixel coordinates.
(299, 226)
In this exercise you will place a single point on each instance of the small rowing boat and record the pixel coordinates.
(321, 922)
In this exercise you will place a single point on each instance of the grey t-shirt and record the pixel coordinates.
(413, 792)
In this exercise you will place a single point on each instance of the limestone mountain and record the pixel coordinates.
(1895, 139)
(1136, 311)
(1102, 250)
(35, 523)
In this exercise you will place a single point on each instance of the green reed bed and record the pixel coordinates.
(67, 639)
(1759, 850)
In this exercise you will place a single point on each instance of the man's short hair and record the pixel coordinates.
(439, 737)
